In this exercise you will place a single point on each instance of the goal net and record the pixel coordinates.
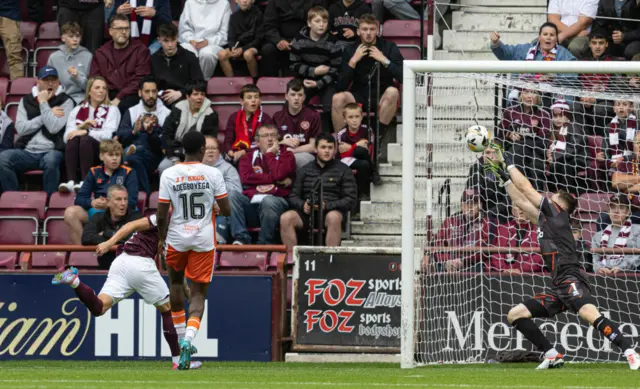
(568, 126)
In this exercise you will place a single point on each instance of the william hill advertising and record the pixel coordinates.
(348, 302)
(41, 321)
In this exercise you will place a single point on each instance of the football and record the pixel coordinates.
(477, 138)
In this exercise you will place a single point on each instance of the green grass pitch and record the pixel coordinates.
(142, 374)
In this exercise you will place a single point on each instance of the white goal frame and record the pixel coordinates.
(410, 70)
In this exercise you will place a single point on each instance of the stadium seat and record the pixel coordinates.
(20, 213)
(142, 202)
(8, 260)
(18, 89)
(54, 229)
(226, 89)
(47, 43)
(243, 260)
(48, 260)
(28, 31)
(83, 260)
(273, 88)
(589, 230)
(4, 89)
(49, 31)
(590, 205)
(153, 204)
(406, 34)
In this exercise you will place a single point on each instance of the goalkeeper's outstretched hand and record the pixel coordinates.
(497, 169)
(501, 158)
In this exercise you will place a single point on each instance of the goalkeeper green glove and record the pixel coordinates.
(504, 160)
(496, 168)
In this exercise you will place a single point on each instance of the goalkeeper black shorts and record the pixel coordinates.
(570, 294)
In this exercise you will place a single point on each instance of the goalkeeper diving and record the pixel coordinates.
(570, 287)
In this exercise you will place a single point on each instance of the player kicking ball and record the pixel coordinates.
(194, 189)
(134, 270)
(570, 288)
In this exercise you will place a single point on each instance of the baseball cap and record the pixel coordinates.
(621, 199)
(47, 71)
(469, 195)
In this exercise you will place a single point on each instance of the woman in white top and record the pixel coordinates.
(95, 119)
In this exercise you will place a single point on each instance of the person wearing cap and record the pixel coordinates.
(567, 155)
(494, 203)
(621, 233)
(463, 229)
(518, 233)
(40, 123)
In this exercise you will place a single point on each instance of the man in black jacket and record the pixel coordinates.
(340, 194)
(104, 225)
(360, 63)
(173, 67)
(620, 25)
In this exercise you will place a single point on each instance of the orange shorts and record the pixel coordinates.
(197, 266)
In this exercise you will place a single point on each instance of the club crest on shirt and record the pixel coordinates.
(284, 128)
(265, 188)
(257, 169)
(534, 122)
(120, 180)
(305, 125)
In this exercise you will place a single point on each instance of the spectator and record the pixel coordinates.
(267, 174)
(592, 114)
(103, 225)
(573, 18)
(598, 51)
(626, 177)
(7, 131)
(72, 62)
(340, 195)
(89, 15)
(140, 132)
(245, 37)
(343, 20)
(359, 61)
(40, 124)
(193, 114)
(96, 184)
(524, 131)
(355, 145)
(315, 58)
(204, 26)
(283, 20)
(463, 229)
(145, 17)
(242, 125)
(401, 9)
(518, 233)
(583, 248)
(567, 154)
(624, 34)
(89, 123)
(11, 37)
(173, 67)
(213, 157)
(619, 234)
(494, 202)
(299, 125)
(122, 62)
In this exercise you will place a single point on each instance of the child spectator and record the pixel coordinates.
(619, 140)
(592, 114)
(315, 58)
(598, 51)
(204, 28)
(96, 185)
(517, 233)
(582, 246)
(72, 62)
(243, 124)
(298, 124)
(146, 16)
(245, 37)
(89, 123)
(343, 19)
(355, 144)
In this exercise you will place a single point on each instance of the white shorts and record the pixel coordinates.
(129, 273)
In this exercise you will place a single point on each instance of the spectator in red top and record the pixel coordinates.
(242, 125)
(299, 125)
(464, 229)
(122, 62)
(516, 233)
(267, 174)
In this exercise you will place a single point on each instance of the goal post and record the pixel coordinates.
(440, 99)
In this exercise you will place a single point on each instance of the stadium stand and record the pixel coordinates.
(243, 260)
(17, 90)
(54, 229)
(20, 215)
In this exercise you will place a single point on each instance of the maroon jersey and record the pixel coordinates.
(346, 136)
(143, 244)
(260, 173)
(537, 123)
(303, 126)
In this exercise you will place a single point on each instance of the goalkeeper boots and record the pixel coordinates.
(551, 363)
(634, 361)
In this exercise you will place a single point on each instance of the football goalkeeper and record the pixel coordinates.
(570, 288)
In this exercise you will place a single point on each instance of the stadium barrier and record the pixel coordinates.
(245, 314)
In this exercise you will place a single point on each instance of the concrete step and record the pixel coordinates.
(391, 189)
(373, 241)
(444, 55)
(381, 213)
(475, 41)
(506, 22)
(380, 228)
(446, 131)
(450, 157)
(505, 3)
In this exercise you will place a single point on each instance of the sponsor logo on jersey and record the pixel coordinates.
(305, 125)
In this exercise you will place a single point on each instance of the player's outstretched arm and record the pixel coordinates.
(126, 230)
(517, 197)
(519, 179)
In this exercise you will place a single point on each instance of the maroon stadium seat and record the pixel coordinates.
(18, 89)
(153, 204)
(55, 230)
(48, 260)
(4, 89)
(20, 213)
(273, 88)
(594, 202)
(8, 260)
(142, 201)
(406, 34)
(224, 111)
(589, 230)
(226, 89)
(47, 43)
(28, 31)
(83, 259)
(49, 31)
(243, 260)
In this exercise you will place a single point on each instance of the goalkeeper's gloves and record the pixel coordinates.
(503, 159)
(496, 168)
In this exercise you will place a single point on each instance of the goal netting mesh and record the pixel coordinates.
(476, 256)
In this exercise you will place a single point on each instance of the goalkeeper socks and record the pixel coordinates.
(551, 353)
(610, 331)
(170, 334)
(179, 322)
(193, 325)
(89, 298)
(532, 333)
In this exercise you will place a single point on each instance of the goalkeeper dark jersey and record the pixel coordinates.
(556, 242)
